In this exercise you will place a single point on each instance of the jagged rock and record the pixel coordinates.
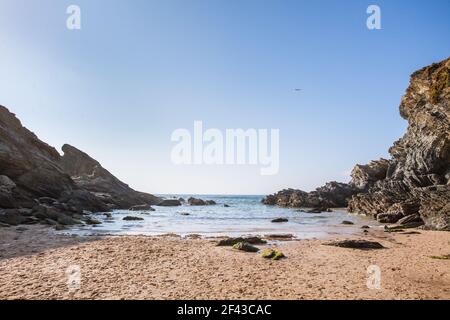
(142, 207)
(435, 206)
(29, 165)
(90, 175)
(278, 220)
(245, 246)
(416, 180)
(355, 244)
(417, 175)
(364, 176)
(233, 241)
(332, 195)
(169, 203)
(131, 218)
(33, 172)
(409, 219)
(272, 254)
(389, 217)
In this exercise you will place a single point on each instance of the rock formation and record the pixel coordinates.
(331, 195)
(416, 180)
(38, 185)
(88, 174)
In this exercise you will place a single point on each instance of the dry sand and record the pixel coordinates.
(33, 265)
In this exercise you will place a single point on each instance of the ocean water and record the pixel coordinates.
(246, 215)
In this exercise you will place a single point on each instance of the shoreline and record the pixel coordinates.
(33, 264)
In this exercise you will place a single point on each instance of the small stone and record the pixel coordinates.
(347, 222)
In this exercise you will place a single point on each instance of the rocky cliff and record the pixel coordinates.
(415, 181)
(414, 185)
(88, 174)
(37, 184)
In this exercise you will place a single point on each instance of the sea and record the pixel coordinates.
(242, 215)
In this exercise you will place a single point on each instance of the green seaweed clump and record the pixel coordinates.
(272, 254)
(444, 257)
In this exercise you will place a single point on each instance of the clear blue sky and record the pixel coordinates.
(139, 69)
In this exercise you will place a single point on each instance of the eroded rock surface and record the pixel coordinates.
(416, 179)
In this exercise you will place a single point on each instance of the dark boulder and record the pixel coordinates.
(131, 218)
(233, 241)
(169, 203)
(278, 220)
(355, 244)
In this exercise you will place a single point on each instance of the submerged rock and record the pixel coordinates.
(245, 246)
(355, 244)
(131, 218)
(347, 222)
(199, 202)
(169, 203)
(93, 222)
(273, 254)
(142, 207)
(279, 236)
(278, 220)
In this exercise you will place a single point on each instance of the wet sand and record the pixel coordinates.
(34, 265)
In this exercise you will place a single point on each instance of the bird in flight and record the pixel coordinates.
(296, 89)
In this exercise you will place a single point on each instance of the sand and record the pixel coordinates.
(34, 262)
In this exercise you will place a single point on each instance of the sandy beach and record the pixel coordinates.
(33, 265)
